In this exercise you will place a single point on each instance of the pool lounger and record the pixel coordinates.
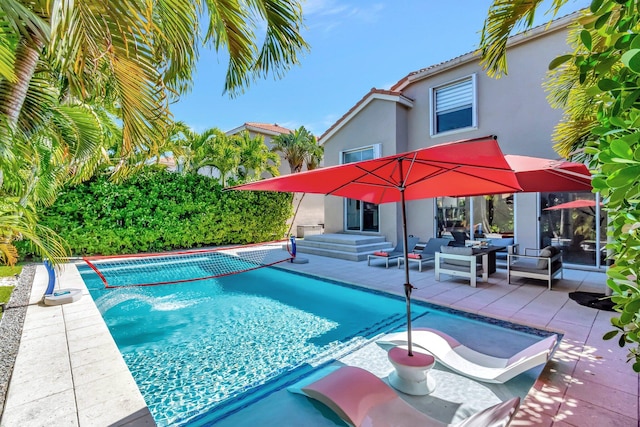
(471, 363)
(362, 399)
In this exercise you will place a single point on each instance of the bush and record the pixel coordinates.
(160, 211)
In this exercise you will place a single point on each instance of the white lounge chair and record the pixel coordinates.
(471, 363)
(362, 399)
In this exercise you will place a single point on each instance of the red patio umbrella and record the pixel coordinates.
(469, 167)
(538, 175)
(575, 204)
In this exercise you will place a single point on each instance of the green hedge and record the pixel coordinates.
(158, 211)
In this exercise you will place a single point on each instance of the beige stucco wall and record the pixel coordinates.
(380, 122)
(514, 108)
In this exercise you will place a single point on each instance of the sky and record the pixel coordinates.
(356, 45)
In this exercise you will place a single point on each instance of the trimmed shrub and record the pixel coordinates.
(160, 211)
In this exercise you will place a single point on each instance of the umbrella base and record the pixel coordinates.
(298, 260)
(411, 375)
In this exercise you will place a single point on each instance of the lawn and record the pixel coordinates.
(6, 271)
(5, 291)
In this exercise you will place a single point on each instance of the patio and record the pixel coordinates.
(68, 371)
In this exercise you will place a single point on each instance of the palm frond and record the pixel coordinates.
(283, 41)
(505, 16)
(8, 41)
(176, 41)
(231, 27)
(18, 222)
(92, 39)
(25, 21)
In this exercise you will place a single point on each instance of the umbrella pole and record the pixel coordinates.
(407, 285)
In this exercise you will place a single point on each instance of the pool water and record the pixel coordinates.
(203, 349)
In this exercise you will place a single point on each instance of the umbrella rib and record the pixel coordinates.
(365, 173)
(573, 176)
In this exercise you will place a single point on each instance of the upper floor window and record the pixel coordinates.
(360, 154)
(454, 106)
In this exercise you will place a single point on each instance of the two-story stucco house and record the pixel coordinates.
(456, 100)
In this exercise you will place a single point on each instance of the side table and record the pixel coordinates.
(411, 375)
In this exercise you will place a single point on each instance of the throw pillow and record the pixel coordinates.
(380, 253)
(414, 256)
(545, 254)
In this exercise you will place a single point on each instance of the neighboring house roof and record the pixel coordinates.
(396, 89)
(263, 128)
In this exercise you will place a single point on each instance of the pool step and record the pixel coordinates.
(351, 247)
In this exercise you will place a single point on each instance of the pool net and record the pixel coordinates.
(178, 267)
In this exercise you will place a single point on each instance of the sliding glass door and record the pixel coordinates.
(359, 215)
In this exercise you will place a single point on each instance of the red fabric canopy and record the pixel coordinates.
(575, 204)
(462, 168)
(544, 175)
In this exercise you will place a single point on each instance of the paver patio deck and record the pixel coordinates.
(69, 371)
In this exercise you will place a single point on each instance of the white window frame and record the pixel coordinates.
(377, 151)
(474, 106)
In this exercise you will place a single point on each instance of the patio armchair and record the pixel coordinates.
(425, 252)
(462, 262)
(512, 248)
(541, 264)
(398, 251)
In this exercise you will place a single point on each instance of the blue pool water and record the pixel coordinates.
(210, 346)
(200, 351)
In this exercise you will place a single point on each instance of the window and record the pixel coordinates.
(361, 216)
(579, 232)
(454, 106)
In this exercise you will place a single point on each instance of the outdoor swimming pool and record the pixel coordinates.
(208, 345)
(201, 350)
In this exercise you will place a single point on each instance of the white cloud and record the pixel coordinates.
(336, 13)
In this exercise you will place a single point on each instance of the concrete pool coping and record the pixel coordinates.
(68, 370)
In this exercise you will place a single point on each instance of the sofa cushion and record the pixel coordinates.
(545, 253)
(456, 250)
(505, 241)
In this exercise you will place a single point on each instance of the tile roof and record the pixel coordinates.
(369, 94)
(397, 88)
(264, 127)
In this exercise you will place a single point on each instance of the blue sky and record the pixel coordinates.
(355, 45)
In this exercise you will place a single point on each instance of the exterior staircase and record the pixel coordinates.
(352, 247)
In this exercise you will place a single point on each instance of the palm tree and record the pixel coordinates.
(225, 156)
(68, 69)
(194, 150)
(255, 156)
(299, 148)
(107, 50)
